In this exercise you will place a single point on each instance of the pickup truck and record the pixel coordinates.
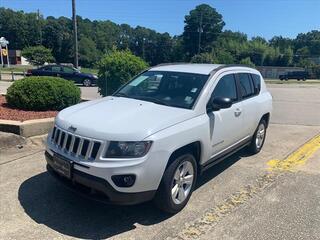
(299, 75)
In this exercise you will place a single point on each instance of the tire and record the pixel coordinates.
(87, 82)
(174, 202)
(258, 138)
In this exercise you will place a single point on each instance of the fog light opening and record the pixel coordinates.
(124, 180)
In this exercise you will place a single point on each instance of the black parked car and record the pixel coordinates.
(66, 72)
(299, 75)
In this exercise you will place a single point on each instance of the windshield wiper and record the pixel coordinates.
(121, 94)
(151, 99)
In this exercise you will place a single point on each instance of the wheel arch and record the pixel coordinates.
(193, 148)
(266, 117)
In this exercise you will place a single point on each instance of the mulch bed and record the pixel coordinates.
(7, 113)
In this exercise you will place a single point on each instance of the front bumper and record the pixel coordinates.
(106, 192)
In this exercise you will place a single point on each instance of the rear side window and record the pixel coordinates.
(56, 69)
(47, 68)
(67, 70)
(257, 83)
(226, 88)
(246, 85)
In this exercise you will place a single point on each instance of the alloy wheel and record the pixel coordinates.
(260, 135)
(182, 182)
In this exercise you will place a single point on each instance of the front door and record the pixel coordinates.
(226, 124)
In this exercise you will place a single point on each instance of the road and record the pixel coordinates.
(244, 197)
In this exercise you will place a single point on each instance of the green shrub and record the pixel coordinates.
(118, 68)
(247, 61)
(38, 55)
(42, 93)
(203, 58)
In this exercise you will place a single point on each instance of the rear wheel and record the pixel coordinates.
(87, 82)
(177, 184)
(258, 137)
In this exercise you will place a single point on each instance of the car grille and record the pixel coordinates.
(74, 145)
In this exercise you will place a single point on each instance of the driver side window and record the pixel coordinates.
(226, 88)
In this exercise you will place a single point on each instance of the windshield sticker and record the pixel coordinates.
(138, 80)
(193, 90)
(188, 99)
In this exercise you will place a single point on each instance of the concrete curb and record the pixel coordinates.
(27, 128)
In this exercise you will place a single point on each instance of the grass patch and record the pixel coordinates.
(90, 70)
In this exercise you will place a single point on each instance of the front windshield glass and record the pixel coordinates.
(174, 89)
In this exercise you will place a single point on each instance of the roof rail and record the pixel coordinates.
(174, 63)
(227, 66)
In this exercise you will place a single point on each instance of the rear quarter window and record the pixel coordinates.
(256, 82)
(246, 85)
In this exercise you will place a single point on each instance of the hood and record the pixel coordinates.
(120, 119)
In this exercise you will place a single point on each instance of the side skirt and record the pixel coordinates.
(215, 160)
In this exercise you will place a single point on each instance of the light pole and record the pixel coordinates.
(75, 34)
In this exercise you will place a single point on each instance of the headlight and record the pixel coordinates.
(127, 149)
(95, 77)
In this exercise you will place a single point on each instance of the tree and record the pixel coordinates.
(88, 53)
(202, 27)
(247, 61)
(38, 55)
(117, 68)
(203, 58)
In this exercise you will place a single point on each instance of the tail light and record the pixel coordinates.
(29, 71)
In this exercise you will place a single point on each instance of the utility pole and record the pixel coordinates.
(200, 30)
(75, 34)
(39, 26)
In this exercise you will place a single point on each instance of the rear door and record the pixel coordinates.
(68, 73)
(56, 71)
(226, 123)
(44, 71)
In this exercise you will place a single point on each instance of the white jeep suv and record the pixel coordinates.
(153, 137)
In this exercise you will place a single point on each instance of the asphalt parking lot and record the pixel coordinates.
(272, 195)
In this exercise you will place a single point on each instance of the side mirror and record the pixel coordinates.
(218, 103)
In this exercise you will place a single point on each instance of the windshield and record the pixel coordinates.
(174, 89)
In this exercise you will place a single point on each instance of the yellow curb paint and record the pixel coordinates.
(297, 158)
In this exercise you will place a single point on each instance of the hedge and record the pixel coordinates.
(42, 93)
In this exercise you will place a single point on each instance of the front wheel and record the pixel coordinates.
(177, 184)
(87, 82)
(258, 137)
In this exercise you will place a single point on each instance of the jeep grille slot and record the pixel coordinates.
(53, 132)
(68, 143)
(76, 145)
(57, 136)
(63, 135)
(95, 150)
(73, 145)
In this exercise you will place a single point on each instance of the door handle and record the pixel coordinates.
(237, 112)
